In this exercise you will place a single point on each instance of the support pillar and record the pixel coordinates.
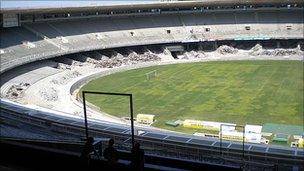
(200, 46)
(215, 45)
(278, 44)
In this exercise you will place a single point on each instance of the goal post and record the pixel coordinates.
(151, 74)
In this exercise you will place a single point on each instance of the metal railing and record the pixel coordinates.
(177, 149)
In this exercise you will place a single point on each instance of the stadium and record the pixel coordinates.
(217, 83)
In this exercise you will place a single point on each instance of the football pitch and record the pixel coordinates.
(241, 92)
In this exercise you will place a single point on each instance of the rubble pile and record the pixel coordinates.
(104, 58)
(117, 59)
(17, 90)
(63, 66)
(224, 49)
(286, 52)
(92, 61)
(76, 63)
(69, 64)
(49, 94)
(146, 57)
(193, 55)
(67, 77)
(258, 50)
(133, 58)
(110, 63)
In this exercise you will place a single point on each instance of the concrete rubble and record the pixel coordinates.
(258, 50)
(17, 90)
(193, 55)
(49, 94)
(92, 61)
(133, 58)
(66, 78)
(63, 66)
(224, 49)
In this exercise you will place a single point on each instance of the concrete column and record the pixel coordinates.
(200, 46)
(19, 19)
(278, 44)
(187, 46)
(215, 45)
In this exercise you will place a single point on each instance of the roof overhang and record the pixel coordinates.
(149, 5)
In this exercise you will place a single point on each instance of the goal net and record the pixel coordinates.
(151, 74)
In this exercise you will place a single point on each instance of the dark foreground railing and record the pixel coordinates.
(51, 155)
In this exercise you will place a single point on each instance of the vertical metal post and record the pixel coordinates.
(85, 115)
(221, 151)
(243, 143)
(132, 120)
(112, 94)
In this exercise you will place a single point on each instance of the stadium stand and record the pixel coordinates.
(177, 145)
(147, 30)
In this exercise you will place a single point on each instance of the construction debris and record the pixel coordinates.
(146, 57)
(117, 59)
(258, 50)
(63, 66)
(49, 94)
(133, 58)
(285, 52)
(92, 61)
(224, 49)
(66, 78)
(17, 90)
(193, 55)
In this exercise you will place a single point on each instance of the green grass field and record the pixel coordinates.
(241, 92)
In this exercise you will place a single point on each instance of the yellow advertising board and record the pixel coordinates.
(195, 124)
(145, 118)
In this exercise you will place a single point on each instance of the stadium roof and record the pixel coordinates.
(17, 6)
